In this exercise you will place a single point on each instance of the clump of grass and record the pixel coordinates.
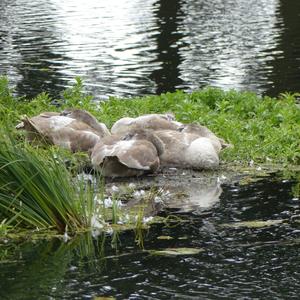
(37, 190)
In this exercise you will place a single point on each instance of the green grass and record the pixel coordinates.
(37, 190)
(261, 129)
(266, 130)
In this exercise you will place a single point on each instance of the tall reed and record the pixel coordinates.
(37, 190)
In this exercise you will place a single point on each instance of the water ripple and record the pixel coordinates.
(131, 48)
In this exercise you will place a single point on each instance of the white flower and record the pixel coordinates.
(131, 185)
(147, 219)
(96, 232)
(86, 177)
(136, 194)
(119, 203)
(115, 189)
(107, 202)
(95, 223)
(139, 194)
(221, 179)
(97, 199)
(109, 230)
(66, 237)
(124, 219)
(166, 193)
(157, 199)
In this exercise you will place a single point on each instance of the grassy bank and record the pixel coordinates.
(38, 191)
(261, 129)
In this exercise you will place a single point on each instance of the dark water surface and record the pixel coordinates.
(236, 263)
(137, 47)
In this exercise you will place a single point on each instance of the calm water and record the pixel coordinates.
(236, 263)
(137, 47)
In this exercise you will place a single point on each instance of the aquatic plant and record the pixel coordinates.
(37, 190)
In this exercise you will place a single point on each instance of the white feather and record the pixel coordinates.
(59, 122)
(124, 122)
(202, 154)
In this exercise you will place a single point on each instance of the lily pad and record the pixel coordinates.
(176, 251)
(253, 224)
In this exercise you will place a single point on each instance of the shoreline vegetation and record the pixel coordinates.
(39, 186)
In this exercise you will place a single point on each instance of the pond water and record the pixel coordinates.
(245, 261)
(138, 47)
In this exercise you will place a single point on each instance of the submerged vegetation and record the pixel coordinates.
(39, 190)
